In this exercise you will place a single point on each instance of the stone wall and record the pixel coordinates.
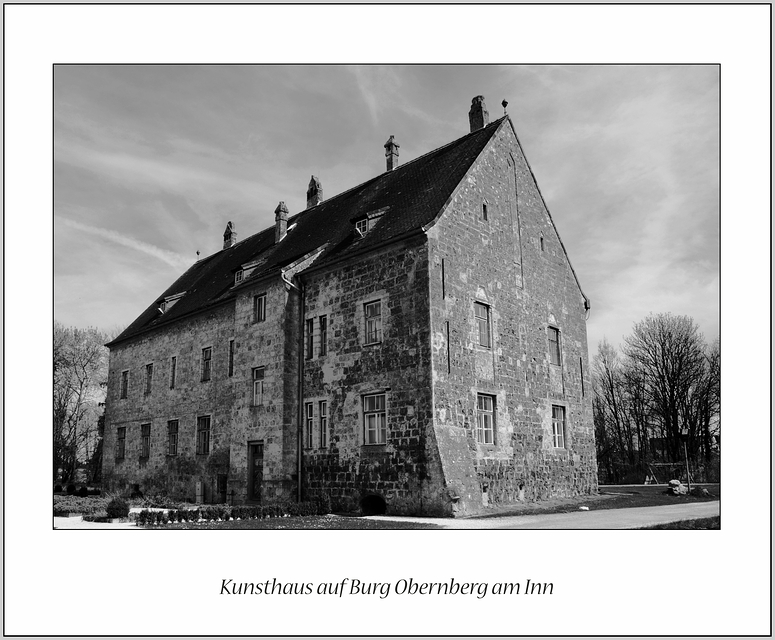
(513, 263)
(189, 399)
(235, 420)
(398, 366)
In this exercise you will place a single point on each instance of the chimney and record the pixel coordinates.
(280, 221)
(314, 193)
(229, 236)
(391, 153)
(478, 116)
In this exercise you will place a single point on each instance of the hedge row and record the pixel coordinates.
(65, 505)
(225, 513)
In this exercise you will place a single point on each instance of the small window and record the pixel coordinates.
(554, 346)
(484, 211)
(581, 375)
(374, 419)
(238, 276)
(308, 424)
(124, 384)
(259, 308)
(362, 226)
(172, 438)
(207, 359)
(258, 386)
(163, 306)
(485, 419)
(231, 358)
(482, 313)
(203, 435)
(309, 336)
(372, 311)
(120, 443)
(148, 378)
(145, 440)
(558, 427)
(173, 371)
(323, 418)
(541, 242)
(323, 322)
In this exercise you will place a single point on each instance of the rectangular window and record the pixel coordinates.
(373, 314)
(173, 371)
(323, 418)
(581, 375)
(323, 322)
(482, 313)
(120, 443)
(203, 435)
(124, 384)
(374, 419)
(207, 359)
(145, 440)
(484, 211)
(309, 335)
(148, 378)
(443, 281)
(485, 419)
(259, 308)
(362, 226)
(308, 424)
(231, 358)
(558, 427)
(238, 276)
(172, 438)
(554, 345)
(258, 386)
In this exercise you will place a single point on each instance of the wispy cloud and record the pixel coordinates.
(168, 257)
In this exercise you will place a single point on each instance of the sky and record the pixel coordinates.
(152, 161)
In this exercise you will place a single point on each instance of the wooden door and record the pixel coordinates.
(255, 470)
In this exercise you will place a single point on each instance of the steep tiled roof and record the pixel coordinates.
(412, 195)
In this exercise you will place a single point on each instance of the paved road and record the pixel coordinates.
(599, 519)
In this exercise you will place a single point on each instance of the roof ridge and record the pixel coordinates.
(399, 168)
(365, 182)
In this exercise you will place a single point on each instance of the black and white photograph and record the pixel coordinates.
(417, 342)
(296, 295)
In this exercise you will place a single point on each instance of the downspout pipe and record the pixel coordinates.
(300, 388)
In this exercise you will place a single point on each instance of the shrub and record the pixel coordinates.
(71, 489)
(118, 508)
(142, 518)
(57, 488)
(324, 504)
(83, 492)
(164, 517)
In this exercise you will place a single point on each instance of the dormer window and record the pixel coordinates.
(165, 304)
(238, 276)
(362, 226)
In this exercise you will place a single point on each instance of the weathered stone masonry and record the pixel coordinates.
(499, 261)
(422, 339)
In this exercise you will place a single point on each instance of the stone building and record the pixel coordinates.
(415, 344)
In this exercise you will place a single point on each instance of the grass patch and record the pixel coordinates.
(698, 523)
(608, 497)
(302, 522)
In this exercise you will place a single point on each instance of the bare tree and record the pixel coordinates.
(80, 376)
(668, 351)
(665, 383)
